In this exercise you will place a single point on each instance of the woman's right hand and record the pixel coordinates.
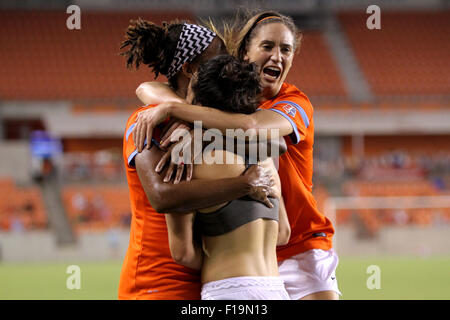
(146, 121)
(261, 183)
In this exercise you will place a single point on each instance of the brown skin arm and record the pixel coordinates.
(189, 196)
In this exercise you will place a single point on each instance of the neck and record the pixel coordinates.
(182, 84)
(268, 95)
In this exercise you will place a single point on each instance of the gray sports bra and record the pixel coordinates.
(235, 214)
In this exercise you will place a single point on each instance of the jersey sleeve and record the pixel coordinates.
(130, 149)
(298, 111)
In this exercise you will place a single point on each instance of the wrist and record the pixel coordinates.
(167, 109)
(247, 185)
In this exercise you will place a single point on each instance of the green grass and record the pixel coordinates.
(401, 278)
(99, 280)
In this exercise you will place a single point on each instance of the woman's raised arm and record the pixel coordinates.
(156, 92)
(210, 118)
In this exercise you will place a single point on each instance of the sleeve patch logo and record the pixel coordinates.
(290, 110)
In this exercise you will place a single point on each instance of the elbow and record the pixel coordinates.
(181, 255)
(159, 207)
(166, 204)
(163, 205)
(140, 90)
(159, 200)
(162, 199)
(178, 257)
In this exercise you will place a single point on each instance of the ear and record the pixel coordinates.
(187, 70)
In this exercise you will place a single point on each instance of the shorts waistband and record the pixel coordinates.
(273, 282)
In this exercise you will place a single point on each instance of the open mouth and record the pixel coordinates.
(272, 72)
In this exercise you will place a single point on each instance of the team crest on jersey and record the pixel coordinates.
(290, 110)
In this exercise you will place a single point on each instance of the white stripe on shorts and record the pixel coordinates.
(245, 288)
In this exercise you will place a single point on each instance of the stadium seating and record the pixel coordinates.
(97, 207)
(375, 218)
(407, 56)
(313, 69)
(47, 61)
(84, 64)
(21, 208)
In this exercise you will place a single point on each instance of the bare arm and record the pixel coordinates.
(284, 228)
(171, 104)
(189, 196)
(214, 118)
(181, 240)
(156, 92)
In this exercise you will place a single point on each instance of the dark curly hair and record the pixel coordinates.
(228, 84)
(151, 45)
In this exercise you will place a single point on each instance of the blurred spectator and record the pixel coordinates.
(396, 163)
(100, 166)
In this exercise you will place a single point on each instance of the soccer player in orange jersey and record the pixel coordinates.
(149, 271)
(308, 262)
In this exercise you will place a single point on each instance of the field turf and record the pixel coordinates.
(401, 278)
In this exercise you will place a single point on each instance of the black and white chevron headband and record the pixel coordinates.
(193, 41)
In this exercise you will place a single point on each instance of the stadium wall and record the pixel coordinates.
(40, 246)
(15, 161)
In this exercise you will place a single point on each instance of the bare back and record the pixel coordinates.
(249, 250)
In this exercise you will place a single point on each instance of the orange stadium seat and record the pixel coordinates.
(313, 70)
(420, 216)
(46, 61)
(408, 56)
(84, 64)
(21, 204)
(96, 207)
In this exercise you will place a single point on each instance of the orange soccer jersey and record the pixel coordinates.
(148, 271)
(310, 229)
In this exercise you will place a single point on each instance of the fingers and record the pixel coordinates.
(169, 172)
(169, 131)
(139, 135)
(166, 139)
(189, 171)
(163, 161)
(179, 173)
(267, 202)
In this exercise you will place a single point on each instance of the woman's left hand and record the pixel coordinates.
(181, 156)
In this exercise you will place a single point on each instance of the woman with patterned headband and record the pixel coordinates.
(308, 262)
(239, 238)
(149, 272)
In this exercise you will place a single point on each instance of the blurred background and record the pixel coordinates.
(382, 139)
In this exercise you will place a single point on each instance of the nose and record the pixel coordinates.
(276, 55)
